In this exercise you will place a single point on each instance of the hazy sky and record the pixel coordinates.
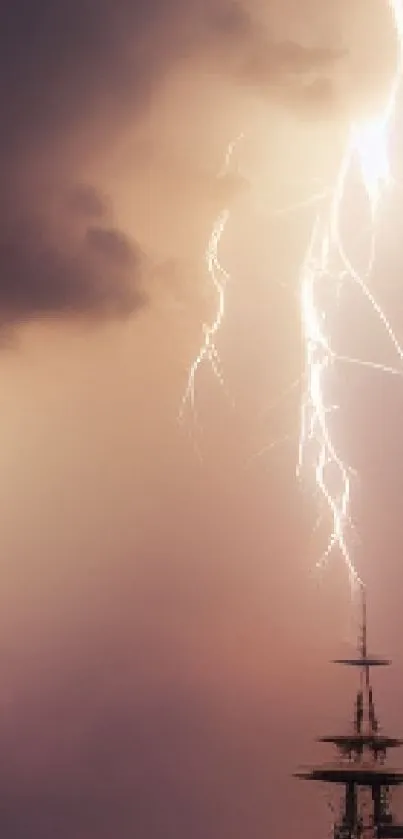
(163, 637)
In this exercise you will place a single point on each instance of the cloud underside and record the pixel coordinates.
(68, 264)
(68, 63)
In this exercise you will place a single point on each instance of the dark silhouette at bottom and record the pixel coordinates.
(361, 768)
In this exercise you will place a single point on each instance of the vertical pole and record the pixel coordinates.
(351, 807)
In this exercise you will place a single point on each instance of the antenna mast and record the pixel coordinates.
(361, 767)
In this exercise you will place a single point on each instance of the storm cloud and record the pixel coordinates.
(71, 261)
(155, 653)
(71, 74)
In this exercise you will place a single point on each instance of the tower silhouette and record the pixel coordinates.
(361, 768)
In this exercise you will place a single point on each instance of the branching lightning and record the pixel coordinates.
(208, 350)
(367, 146)
(219, 278)
(327, 266)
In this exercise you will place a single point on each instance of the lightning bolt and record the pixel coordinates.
(219, 278)
(367, 146)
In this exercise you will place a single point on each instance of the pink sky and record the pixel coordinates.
(164, 636)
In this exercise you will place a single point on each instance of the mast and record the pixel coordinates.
(361, 768)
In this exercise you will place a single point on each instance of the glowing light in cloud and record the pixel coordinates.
(367, 146)
(219, 278)
(326, 266)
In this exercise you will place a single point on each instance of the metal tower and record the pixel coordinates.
(361, 768)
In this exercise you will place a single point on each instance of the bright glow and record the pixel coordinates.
(208, 350)
(326, 266)
(367, 146)
(219, 278)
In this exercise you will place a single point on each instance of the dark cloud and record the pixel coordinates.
(87, 201)
(60, 65)
(56, 263)
(258, 56)
(69, 69)
(61, 61)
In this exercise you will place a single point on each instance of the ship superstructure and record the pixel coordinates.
(361, 769)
